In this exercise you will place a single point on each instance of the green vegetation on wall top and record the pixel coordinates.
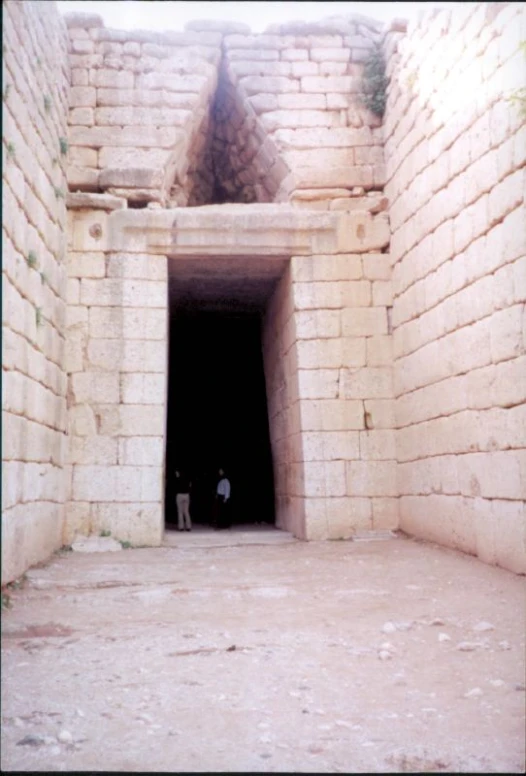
(374, 82)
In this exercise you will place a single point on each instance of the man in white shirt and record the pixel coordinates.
(222, 502)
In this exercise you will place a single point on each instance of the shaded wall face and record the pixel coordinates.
(35, 95)
(328, 366)
(455, 149)
(279, 355)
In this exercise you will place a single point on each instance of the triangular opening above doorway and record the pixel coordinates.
(231, 158)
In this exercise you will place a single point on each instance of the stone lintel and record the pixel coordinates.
(225, 230)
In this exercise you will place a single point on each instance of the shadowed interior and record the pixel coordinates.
(217, 408)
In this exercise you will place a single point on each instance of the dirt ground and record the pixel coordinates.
(250, 651)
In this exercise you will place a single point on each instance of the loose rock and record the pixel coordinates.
(496, 682)
(392, 627)
(483, 626)
(65, 737)
(31, 740)
(403, 626)
(467, 646)
(476, 692)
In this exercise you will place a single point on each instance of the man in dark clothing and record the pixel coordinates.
(182, 500)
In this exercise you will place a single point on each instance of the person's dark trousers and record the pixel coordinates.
(215, 514)
(223, 513)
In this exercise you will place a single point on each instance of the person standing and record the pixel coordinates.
(182, 500)
(222, 501)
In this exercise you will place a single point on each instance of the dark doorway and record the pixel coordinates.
(217, 414)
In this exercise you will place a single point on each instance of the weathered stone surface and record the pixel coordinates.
(140, 116)
(130, 177)
(34, 284)
(97, 137)
(82, 116)
(83, 178)
(359, 231)
(151, 197)
(84, 21)
(268, 85)
(85, 201)
(272, 230)
(373, 204)
(327, 138)
(461, 313)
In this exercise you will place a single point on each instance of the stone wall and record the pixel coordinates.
(116, 360)
(345, 392)
(280, 362)
(395, 373)
(35, 99)
(216, 114)
(455, 151)
(300, 85)
(328, 366)
(138, 101)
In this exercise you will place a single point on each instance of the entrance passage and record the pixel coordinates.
(217, 413)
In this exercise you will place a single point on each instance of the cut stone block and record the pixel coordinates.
(129, 177)
(87, 201)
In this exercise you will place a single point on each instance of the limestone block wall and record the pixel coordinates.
(238, 163)
(328, 366)
(345, 393)
(280, 362)
(283, 97)
(302, 82)
(455, 151)
(216, 114)
(116, 360)
(138, 100)
(34, 100)
(395, 380)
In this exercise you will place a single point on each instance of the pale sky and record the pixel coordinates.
(173, 14)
